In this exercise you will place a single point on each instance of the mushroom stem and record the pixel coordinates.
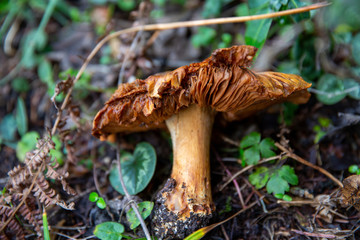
(186, 198)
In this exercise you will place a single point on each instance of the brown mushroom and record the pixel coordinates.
(187, 99)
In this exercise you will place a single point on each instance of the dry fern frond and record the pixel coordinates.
(67, 188)
(33, 217)
(41, 154)
(13, 226)
(46, 195)
(19, 177)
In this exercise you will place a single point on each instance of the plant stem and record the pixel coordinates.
(133, 204)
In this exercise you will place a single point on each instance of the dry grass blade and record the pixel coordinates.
(174, 25)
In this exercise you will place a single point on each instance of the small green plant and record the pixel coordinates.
(252, 148)
(320, 128)
(145, 209)
(100, 202)
(354, 169)
(113, 230)
(109, 231)
(276, 180)
(227, 206)
(26, 144)
(137, 169)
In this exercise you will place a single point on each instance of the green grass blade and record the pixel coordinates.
(45, 226)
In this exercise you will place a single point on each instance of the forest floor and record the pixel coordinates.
(326, 135)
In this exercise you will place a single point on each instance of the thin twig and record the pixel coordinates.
(309, 234)
(309, 164)
(247, 168)
(224, 233)
(174, 25)
(133, 204)
(218, 158)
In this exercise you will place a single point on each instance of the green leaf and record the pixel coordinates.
(242, 10)
(250, 140)
(252, 155)
(101, 203)
(287, 198)
(319, 135)
(137, 169)
(20, 85)
(260, 177)
(145, 209)
(355, 47)
(289, 67)
(93, 197)
(212, 8)
(355, 86)
(333, 89)
(257, 31)
(8, 128)
(228, 207)
(204, 37)
(286, 172)
(353, 168)
(45, 72)
(126, 5)
(109, 231)
(21, 117)
(324, 122)
(265, 148)
(226, 40)
(277, 185)
(33, 40)
(57, 152)
(279, 195)
(26, 144)
(276, 4)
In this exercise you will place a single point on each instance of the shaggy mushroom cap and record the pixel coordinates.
(187, 100)
(222, 82)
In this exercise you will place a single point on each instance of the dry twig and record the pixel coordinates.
(303, 161)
